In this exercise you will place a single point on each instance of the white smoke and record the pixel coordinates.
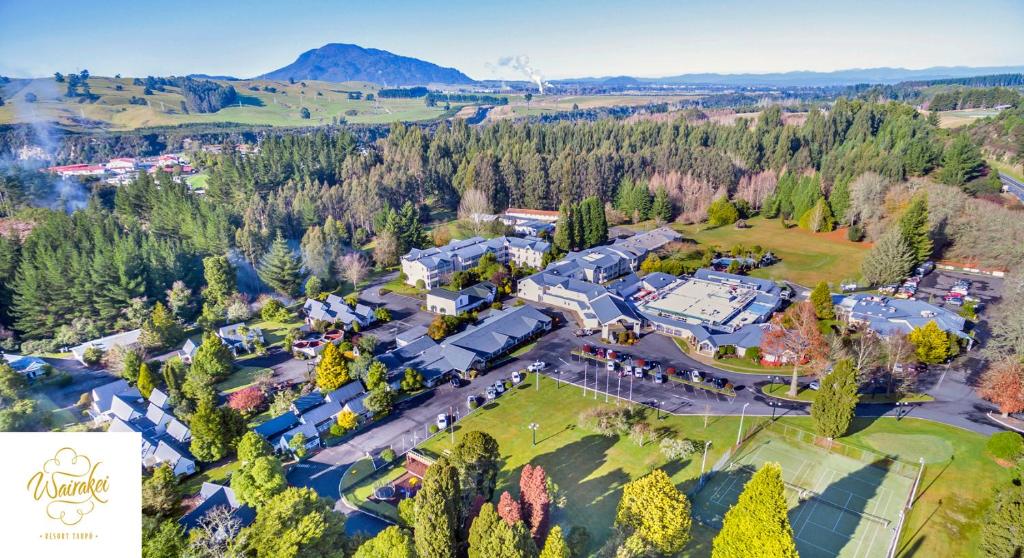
(522, 64)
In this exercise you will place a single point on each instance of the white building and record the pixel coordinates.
(435, 266)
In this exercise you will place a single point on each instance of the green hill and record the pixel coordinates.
(114, 111)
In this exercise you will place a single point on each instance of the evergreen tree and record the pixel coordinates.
(563, 239)
(215, 430)
(722, 212)
(281, 269)
(490, 537)
(961, 161)
(160, 329)
(839, 200)
(212, 359)
(916, 230)
(662, 207)
(555, 546)
(835, 400)
(1001, 532)
(332, 370)
(259, 480)
(392, 542)
(821, 298)
(251, 446)
(655, 513)
(314, 286)
(758, 524)
(220, 280)
(166, 540)
(890, 260)
(931, 343)
(579, 235)
(437, 512)
(146, 383)
(480, 531)
(476, 457)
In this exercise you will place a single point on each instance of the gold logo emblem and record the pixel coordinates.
(71, 484)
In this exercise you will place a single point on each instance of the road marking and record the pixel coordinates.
(942, 377)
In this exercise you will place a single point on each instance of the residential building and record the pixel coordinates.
(165, 439)
(309, 415)
(212, 496)
(886, 316)
(126, 339)
(65, 171)
(532, 214)
(29, 366)
(236, 341)
(452, 303)
(410, 335)
(333, 310)
(649, 241)
(435, 266)
(102, 398)
(594, 305)
(477, 347)
(121, 165)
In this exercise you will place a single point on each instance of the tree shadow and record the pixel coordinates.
(248, 100)
(935, 478)
(915, 543)
(820, 523)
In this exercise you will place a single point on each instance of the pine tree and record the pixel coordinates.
(961, 162)
(332, 370)
(160, 329)
(212, 358)
(1001, 532)
(208, 440)
(655, 513)
(480, 531)
(839, 200)
(281, 269)
(758, 524)
(662, 207)
(821, 298)
(220, 280)
(579, 235)
(555, 546)
(563, 239)
(146, 381)
(915, 228)
(890, 260)
(835, 401)
(437, 512)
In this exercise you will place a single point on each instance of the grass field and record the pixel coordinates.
(806, 257)
(957, 118)
(838, 506)
(219, 474)
(590, 469)
(244, 377)
(324, 100)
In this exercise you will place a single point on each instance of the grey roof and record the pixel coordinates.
(411, 334)
(169, 452)
(335, 310)
(106, 343)
(320, 413)
(745, 337)
(469, 249)
(346, 392)
(764, 285)
(490, 336)
(127, 405)
(650, 240)
(157, 415)
(357, 405)
(213, 496)
(609, 308)
(306, 402)
(275, 426)
(102, 396)
(177, 430)
(893, 315)
(159, 398)
(189, 348)
(659, 280)
(308, 429)
(440, 292)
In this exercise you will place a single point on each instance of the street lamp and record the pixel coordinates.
(584, 378)
(704, 460)
(739, 434)
(773, 404)
(533, 427)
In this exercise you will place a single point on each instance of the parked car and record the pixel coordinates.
(815, 385)
(442, 421)
(720, 383)
(499, 386)
(472, 399)
(455, 382)
(638, 372)
(848, 287)
(954, 300)
(695, 375)
(888, 289)
(518, 376)
(537, 366)
(659, 378)
(924, 269)
(583, 332)
(492, 393)
(610, 366)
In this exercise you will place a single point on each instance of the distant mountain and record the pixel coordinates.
(813, 79)
(208, 76)
(343, 62)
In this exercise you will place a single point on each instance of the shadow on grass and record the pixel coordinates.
(935, 478)
(832, 528)
(915, 543)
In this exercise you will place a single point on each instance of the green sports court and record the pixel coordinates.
(840, 505)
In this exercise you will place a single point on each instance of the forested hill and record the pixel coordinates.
(343, 62)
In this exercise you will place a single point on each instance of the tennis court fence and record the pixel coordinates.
(866, 456)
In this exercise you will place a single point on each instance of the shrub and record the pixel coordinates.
(474, 404)
(421, 285)
(93, 356)
(496, 305)
(1008, 446)
(673, 448)
(388, 455)
(855, 233)
(433, 429)
(754, 354)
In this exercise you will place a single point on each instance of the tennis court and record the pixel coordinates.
(838, 506)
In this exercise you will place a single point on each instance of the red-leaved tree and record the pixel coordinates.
(795, 334)
(1003, 384)
(535, 501)
(247, 400)
(509, 509)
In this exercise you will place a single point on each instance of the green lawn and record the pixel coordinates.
(275, 332)
(218, 475)
(361, 480)
(807, 257)
(590, 469)
(807, 395)
(244, 377)
(398, 286)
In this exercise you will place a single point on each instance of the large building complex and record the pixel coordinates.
(435, 266)
(887, 316)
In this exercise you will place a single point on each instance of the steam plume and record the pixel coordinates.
(522, 64)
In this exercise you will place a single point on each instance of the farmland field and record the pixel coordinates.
(957, 118)
(806, 257)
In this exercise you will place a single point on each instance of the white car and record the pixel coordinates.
(815, 385)
(610, 366)
(848, 287)
(537, 366)
(442, 421)
(517, 377)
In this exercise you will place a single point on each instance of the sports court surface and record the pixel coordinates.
(839, 506)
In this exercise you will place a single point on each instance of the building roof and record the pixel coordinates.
(102, 396)
(543, 214)
(649, 241)
(25, 364)
(127, 405)
(335, 310)
(159, 398)
(106, 343)
(893, 315)
(213, 496)
(469, 249)
(306, 402)
(277, 425)
(410, 335)
(346, 392)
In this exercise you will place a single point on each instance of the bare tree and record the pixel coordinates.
(795, 332)
(867, 199)
(692, 195)
(218, 535)
(897, 350)
(385, 249)
(473, 207)
(756, 188)
(354, 266)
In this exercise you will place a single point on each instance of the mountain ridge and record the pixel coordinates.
(338, 62)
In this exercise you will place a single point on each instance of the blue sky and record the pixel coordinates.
(562, 38)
